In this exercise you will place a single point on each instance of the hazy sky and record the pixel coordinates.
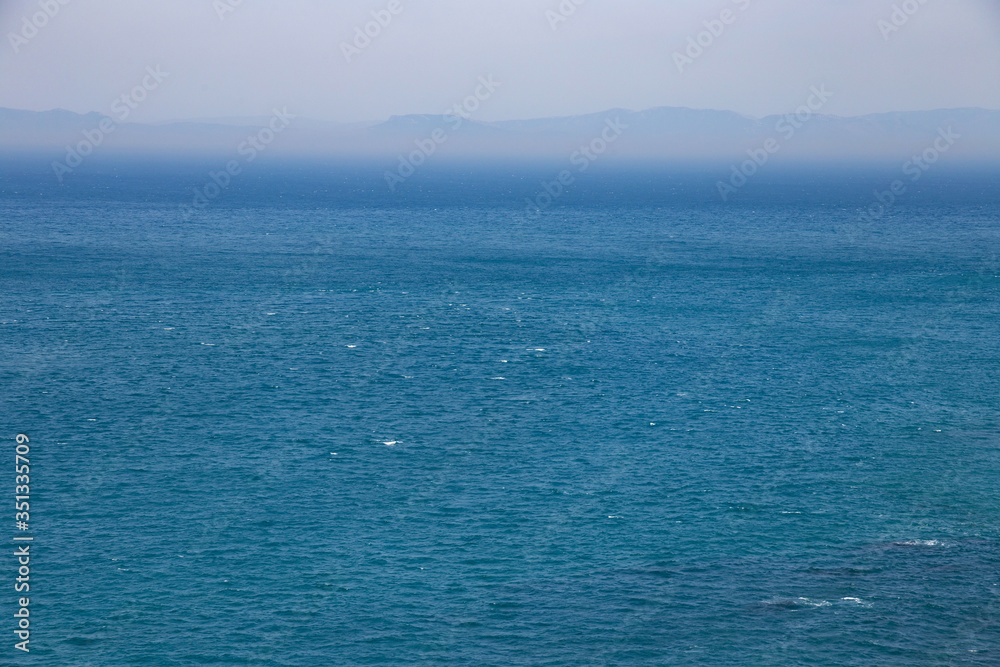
(608, 53)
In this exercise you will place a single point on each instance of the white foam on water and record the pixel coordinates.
(856, 601)
(812, 603)
(796, 603)
(920, 543)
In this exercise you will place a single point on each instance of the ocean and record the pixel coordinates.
(319, 424)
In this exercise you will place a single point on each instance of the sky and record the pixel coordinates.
(239, 58)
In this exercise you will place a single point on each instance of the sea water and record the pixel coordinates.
(296, 432)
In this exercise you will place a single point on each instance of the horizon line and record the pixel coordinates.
(218, 120)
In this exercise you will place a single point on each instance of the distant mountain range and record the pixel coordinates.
(661, 134)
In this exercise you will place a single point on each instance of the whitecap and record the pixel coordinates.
(795, 604)
(919, 543)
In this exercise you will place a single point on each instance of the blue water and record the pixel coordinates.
(305, 433)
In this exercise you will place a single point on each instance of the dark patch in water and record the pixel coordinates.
(842, 571)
